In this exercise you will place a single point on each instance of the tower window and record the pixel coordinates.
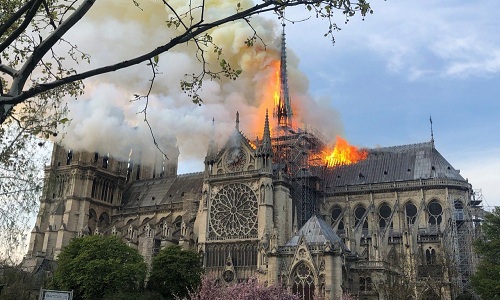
(105, 161)
(69, 157)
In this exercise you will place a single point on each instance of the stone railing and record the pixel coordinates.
(414, 184)
(154, 208)
(371, 264)
(235, 174)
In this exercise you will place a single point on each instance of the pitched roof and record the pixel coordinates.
(162, 190)
(390, 164)
(317, 232)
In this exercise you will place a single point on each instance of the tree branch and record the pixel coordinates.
(15, 17)
(15, 34)
(47, 44)
(192, 32)
(8, 70)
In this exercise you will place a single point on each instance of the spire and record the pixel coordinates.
(237, 121)
(212, 145)
(432, 132)
(265, 148)
(283, 111)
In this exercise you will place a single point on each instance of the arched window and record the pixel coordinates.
(359, 212)
(459, 210)
(430, 256)
(303, 282)
(92, 221)
(365, 283)
(411, 213)
(337, 219)
(435, 211)
(336, 212)
(384, 214)
(341, 228)
(103, 221)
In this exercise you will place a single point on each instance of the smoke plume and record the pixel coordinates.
(106, 121)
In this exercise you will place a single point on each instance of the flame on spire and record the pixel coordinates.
(345, 154)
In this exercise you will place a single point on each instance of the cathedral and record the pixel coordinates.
(396, 224)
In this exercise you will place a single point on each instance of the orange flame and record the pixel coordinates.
(275, 83)
(345, 154)
(269, 96)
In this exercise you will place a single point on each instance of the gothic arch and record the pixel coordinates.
(103, 221)
(359, 212)
(335, 213)
(384, 215)
(458, 206)
(410, 211)
(92, 222)
(303, 281)
(434, 214)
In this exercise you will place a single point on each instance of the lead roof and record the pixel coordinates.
(162, 190)
(392, 164)
(316, 232)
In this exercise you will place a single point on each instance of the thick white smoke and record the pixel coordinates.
(106, 121)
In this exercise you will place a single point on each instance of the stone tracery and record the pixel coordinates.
(233, 212)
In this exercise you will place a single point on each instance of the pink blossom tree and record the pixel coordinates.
(210, 289)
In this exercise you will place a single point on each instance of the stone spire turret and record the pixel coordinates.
(265, 151)
(237, 121)
(265, 148)
(212, 149)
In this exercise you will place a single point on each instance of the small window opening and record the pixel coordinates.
(69, 157)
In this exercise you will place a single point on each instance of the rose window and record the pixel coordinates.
(233, 212)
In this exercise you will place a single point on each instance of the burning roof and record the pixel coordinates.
(392, 164)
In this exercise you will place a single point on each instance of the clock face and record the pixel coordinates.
(233, 212)
(236, 159)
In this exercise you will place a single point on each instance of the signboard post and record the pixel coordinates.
(55, 295)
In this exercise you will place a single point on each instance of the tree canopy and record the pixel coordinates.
(486, 280)
(175, 272)
(95, 266)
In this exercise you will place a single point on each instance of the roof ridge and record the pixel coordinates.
(402, 147)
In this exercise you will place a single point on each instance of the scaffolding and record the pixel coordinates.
(296, 153)
(461, 233)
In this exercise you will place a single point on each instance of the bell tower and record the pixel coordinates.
(81, 190)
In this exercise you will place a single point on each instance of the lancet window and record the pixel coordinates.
(103, 189)
(365, 283)
(430, 256)
(242, 254)
(459, 210)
